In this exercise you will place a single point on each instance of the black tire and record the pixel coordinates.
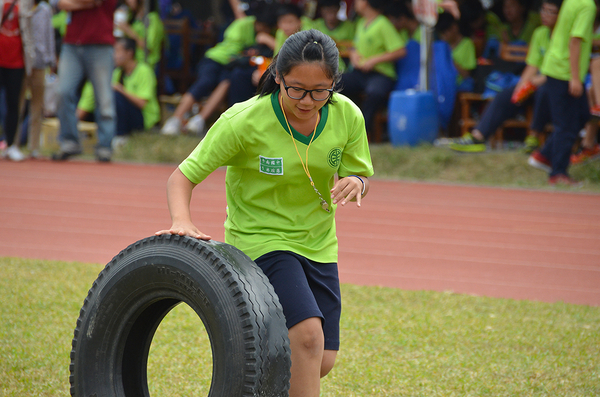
(136, 290)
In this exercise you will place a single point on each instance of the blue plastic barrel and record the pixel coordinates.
(412, 118)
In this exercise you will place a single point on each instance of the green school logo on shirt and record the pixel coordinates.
(271, 166)
(334, 157)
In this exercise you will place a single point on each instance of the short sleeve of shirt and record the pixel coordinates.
(583, 23)
(392, 39)
(221, 146)
(538, 46)
(356, 158)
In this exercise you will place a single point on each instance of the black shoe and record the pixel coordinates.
(63, 155)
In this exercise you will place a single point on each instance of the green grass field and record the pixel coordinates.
(394, 342)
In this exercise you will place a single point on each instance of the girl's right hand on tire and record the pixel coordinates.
(185, 229)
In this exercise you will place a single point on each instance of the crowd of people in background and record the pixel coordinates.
(107, 60)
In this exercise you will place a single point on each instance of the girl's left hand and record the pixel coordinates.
(347, 189)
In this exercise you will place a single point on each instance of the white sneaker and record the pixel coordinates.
(171, 127)
(119, 141)
(195, 125)
(13, 153)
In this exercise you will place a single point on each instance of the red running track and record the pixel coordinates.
(522, 244)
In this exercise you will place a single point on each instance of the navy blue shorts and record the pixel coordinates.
(210, 74)
(306, 289)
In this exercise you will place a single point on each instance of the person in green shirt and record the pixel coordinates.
(213, 71)
(289, 21)
(505, 104)
(566, 64)
(404, 20)
(463, 48)
(328, 23)
(134, 85)
(377, 47)
(295, 154)
(149, 43)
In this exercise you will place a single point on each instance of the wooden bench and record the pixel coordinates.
(50, 130)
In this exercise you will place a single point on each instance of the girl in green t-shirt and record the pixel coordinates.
(283, 149)
(149, 43)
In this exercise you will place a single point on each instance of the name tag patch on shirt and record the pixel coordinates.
(271, 165)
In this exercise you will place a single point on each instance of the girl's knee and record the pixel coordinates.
(308, 336)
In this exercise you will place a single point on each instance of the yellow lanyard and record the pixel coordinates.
(324, 203)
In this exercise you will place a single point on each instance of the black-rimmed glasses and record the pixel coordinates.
(297, 93)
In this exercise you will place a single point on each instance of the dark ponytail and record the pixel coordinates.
(303, 47)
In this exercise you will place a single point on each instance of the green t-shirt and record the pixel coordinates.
(141, 83)
(154, 39)
(379, 37)
(239, 35)
(575, 19)
(464, 55)
(271, 204)
(538, 46)
(343, 32)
